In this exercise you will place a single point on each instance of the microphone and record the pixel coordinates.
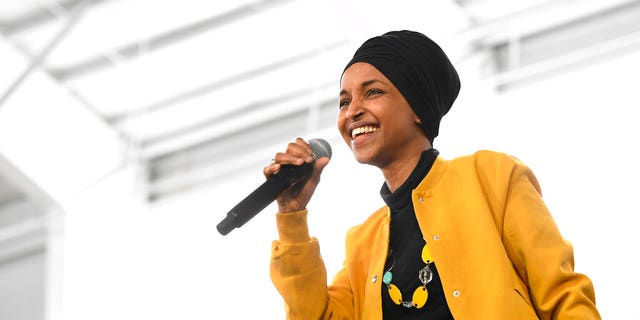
(266, 193)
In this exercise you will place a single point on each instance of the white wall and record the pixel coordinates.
(55, 147)
(22, 284)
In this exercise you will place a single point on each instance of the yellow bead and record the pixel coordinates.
(395, 294)
(420, 297)
(426, 255)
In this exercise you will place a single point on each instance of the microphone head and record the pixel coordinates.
(321, 148)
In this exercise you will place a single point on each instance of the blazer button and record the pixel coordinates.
(374, 279)
(421, 199)
(456, 293)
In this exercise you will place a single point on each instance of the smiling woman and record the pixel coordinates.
(458, 238)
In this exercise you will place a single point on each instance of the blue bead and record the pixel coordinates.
(388, 276)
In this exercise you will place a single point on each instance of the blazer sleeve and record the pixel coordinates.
(299, 274)
(542, 258)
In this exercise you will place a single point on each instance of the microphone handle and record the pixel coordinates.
(263, 196)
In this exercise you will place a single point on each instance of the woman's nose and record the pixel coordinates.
(355, 111)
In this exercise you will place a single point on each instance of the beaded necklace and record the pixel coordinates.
(425, 275)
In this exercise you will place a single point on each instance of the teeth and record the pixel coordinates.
(361, 130)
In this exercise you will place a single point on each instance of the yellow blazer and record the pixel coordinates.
(499, 253)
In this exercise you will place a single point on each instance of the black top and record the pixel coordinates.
(406, 242)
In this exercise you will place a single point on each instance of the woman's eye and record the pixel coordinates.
(374, 92)
(344, 103)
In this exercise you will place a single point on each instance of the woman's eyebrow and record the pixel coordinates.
(363, 85)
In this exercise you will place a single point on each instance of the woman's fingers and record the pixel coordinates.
(271, 169)
(297, 153)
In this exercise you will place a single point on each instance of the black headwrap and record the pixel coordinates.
(419, 68)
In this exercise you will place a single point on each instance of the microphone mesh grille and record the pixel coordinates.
(321, 148)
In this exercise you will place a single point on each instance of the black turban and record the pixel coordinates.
(420, 70)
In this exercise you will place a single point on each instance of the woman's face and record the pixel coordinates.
(375, 120)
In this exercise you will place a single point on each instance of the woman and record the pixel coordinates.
(468, 238)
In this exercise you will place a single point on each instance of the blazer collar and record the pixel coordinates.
(435, 176)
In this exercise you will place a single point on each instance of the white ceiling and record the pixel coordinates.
(189, 83)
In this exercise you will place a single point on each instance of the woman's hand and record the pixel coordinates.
(297, 196)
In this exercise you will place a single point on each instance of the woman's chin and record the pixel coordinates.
(363, 157)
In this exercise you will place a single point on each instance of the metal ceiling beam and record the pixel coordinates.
(39, 16)
(252, 116)
(232, 113)
(533, 19)
(171, 37)
(37, 60)
(218, 84)
(578, 42)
